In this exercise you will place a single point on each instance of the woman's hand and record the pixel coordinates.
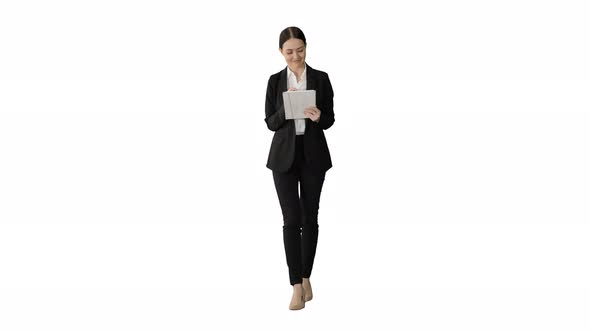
(313, 113)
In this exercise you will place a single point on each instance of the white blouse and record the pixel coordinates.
(301, 85)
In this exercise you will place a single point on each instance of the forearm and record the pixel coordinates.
(326, 119)
(327, 106)
(275, 119)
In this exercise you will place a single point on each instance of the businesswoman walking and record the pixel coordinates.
(299, 156)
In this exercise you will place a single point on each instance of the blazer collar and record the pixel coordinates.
(311, 79)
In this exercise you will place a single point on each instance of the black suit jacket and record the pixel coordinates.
(282, 149)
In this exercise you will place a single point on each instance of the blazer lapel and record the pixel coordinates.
(311, 85)
(283, 82)
(311, 78)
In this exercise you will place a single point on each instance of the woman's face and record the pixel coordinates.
(294, 52)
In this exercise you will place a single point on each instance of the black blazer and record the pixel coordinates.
(282, 149)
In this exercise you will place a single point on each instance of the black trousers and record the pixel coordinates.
(300, 213)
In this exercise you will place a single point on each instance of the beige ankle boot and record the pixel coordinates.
(308, 293)
(298, 299)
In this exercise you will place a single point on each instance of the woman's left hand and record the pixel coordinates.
(313, 113)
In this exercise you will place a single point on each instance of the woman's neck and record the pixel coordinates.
(298, 72)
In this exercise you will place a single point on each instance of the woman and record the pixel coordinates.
(299, 156)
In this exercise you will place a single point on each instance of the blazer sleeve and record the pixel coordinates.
(275, 118)
(327, 105)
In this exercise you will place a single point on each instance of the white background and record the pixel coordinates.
(134, 194)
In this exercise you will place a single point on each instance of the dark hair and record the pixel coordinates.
(291, 32)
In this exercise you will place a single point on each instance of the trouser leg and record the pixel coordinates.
(311, 188)
(286, 185)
